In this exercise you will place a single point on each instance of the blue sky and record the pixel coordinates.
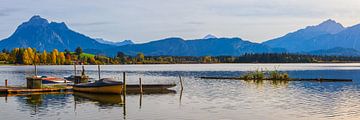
(147, 20)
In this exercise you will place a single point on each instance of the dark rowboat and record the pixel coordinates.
(105, 85)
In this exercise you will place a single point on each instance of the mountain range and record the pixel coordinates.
(327, 38)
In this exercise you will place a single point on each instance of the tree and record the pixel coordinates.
(61, 58)
(120, 55)
(78, 51)
(26, 59)
(54, 55)
(140, 56)
(43, 57)
(68, 59)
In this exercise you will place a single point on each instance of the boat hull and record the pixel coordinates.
(113, 89)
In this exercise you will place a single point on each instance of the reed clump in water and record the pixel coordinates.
(266, 75)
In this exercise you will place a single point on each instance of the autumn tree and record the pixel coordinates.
(61, 58)
(140, 57)
(43, 57)
(54, 55)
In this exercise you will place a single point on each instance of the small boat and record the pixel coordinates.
(105, 85)
(73, 77)
(52, 80)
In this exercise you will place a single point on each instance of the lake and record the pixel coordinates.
(200, 99)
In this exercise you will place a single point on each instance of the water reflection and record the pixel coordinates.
(42, 102)
(102, 100)
(200, 99)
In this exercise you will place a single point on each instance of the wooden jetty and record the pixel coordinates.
(15, 90)
(131, 88)
(291, 79)
(149, 88)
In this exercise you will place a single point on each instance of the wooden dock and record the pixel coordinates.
(132, 89)
(15, 90)
(291, 79)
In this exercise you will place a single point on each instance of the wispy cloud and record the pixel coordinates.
(8, 11)
(91, 23)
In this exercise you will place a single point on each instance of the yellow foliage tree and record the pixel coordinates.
(44, 57)
(61, 58)
(54, 55)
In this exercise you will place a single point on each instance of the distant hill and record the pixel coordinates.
(125, 42)
(198, 47)
(40, 34)
(338, 51)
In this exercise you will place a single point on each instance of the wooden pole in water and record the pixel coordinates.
(35, 70)
(181, 83)
(141, 87)
(99, 71)
(124, 94)
(74, 69)
(6, 83)
(124, 84)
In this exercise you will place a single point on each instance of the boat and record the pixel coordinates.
(52, 80)
(105, 85)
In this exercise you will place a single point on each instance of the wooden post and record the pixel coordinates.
(124, 84)
(75, 69)
(181, 83)
(99, 71)
(35, 69)
(6, 83)
(141, 87)
(124, 95)
(83, 71)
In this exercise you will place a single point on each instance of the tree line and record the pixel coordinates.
(28, 56)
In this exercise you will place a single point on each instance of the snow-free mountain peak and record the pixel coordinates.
(209, 36)
(329, 26)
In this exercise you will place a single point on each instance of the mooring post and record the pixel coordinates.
(181, 83)
(74, 69)
(124, 95)
(35, 70)
(99, 71)
(141, 87)
(124, 86)
(6, 83)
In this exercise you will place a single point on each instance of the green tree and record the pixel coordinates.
(78, 51)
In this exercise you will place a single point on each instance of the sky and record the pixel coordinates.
(148, 20)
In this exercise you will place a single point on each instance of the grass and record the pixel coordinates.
(84, 54)
(267, 75)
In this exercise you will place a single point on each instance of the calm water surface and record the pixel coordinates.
(200, 99)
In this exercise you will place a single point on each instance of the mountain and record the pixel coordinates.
(40, 34)
(125, 42)
(348, 38)
(303, 40)
(198, 47)
(209, 36)
(338, 51)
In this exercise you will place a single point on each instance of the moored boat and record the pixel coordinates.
(52, 80)
(105, 85)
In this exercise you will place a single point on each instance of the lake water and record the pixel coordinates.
(200, 99)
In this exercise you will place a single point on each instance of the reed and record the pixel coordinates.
(266, 75)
